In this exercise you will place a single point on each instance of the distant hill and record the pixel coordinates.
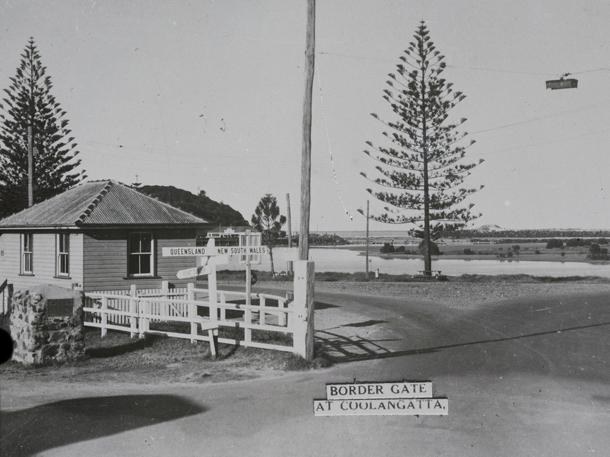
(199, 205)
(489, 228)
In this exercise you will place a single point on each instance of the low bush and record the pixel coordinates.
(387, 248)
(554, 243)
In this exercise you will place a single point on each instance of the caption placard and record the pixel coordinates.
(404, 398)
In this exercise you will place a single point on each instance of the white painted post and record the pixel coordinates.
(248, 281)
(248, 312)
(133, 309)
(281, 317)
(141, 322)
(164, 307)
(302, 321)
(192, 310)
(261, 304)
(104, 316)
(223, 309)
(212, 293)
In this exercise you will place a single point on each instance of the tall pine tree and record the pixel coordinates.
(28, 101)
(420, 168)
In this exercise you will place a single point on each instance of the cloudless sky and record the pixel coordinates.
(208, 95)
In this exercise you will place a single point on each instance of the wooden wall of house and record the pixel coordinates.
(105, 259)
(44, 261)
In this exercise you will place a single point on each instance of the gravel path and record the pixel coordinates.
(464, 295)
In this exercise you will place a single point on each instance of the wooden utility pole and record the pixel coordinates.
(306, 149)
(367, 240)
(30, 166)
(288, 220)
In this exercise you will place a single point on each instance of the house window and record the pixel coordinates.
(27, 253)
(63, 254)
(141, 259)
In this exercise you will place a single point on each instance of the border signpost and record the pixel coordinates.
(246, 239)
(246, 248)
(221, 248)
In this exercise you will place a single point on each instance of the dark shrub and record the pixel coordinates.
(387, 248)
(554, 243)
(596, 252)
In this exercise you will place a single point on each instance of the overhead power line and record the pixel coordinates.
(346, 211)
(540, 118)
(499, 70)
(459, 67)
(557, 140)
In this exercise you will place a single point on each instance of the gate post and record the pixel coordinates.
(133, 310)
(302, 318)
(164, 305)
(192, 310)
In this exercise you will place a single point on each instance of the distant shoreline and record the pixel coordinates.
(546, 255)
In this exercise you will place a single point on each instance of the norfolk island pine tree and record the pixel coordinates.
(28, 101)
(419, 169)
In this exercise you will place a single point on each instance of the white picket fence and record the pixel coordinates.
(134, 311)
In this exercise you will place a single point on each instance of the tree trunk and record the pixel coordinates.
(427, 250)
(271, 258)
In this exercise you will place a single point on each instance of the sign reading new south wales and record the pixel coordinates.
(405, 398)
(213, 251)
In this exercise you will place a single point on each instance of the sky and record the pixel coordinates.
(207, 95)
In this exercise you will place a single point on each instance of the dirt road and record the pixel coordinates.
(524, 376)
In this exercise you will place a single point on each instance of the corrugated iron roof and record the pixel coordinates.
(104, 203)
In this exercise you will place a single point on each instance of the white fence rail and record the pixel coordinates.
(264, 323)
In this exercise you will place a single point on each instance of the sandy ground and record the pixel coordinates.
(525, 368)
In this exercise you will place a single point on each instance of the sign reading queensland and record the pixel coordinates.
(404, 398)
(203, 251)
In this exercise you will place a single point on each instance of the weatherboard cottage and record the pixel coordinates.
(100, 235)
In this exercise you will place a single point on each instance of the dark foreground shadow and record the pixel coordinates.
(33, 430)
(123, 348)
(323, 305)
(368, 323)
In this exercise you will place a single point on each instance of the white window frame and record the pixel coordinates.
(59, 254)
(140, 253)
(25, 253)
